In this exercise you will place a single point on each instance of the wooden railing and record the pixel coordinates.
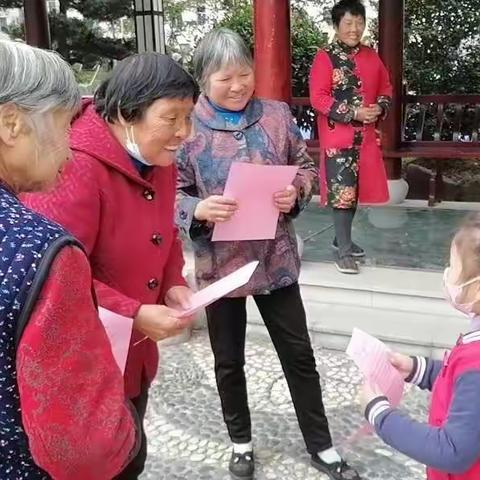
(433, 126)
(443, 126)
(440, 126)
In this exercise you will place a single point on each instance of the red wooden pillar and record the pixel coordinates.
(273, 55)
(37, 31)
(391, 25)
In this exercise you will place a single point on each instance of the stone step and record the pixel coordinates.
(404, 308)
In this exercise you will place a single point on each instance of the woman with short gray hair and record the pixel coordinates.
(63, 410)
(231, 125)
(117, 196)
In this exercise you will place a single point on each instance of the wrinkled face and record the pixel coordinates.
(351, 29)
(33, 149)
(163, 127)
(231, 87)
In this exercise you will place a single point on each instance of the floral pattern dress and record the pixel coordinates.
(343, 79)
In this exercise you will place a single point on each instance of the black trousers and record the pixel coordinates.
(284, 316)
(134, 469)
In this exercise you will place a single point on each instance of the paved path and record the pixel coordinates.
(188, 440)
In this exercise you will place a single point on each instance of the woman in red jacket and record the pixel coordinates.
(117, 197)
(63, 412)
(350, 89)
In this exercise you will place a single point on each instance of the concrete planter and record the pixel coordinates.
(398, 190)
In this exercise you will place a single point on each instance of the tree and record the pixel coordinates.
(105, 10)
(81, 38)
(441, 46)
(188, 20)
(11, 3)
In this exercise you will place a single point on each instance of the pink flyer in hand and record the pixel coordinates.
(372, 358)
(253, 186)
(219, 289)
(119, 332)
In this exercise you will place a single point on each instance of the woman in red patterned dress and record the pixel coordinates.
(351, 91)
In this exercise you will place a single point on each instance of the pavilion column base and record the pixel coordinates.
(398, 189)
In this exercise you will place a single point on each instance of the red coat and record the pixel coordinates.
(374, 87)
(126, 225)
(463, 358)
(71, 391)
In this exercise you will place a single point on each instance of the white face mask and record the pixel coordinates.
(452, 292)
(133, 148)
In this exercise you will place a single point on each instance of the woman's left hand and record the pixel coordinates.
(178, 298)
(285, 200)
(368, 392)
(377, 109)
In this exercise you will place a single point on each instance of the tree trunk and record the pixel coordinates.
(62, 30)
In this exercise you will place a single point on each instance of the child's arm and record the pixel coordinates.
(425, 372)
(452, 448)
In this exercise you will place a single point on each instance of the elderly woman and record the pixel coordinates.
(117, 196)
(63, 412)
(231, 125)
(350, 88)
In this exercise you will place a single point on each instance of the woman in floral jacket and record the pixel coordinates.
(233, 126)
(350, 89)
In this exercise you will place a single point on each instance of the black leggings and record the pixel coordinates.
(342, 221)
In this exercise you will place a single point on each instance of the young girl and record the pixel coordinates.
(450, 443)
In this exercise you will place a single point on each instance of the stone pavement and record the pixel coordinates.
(188, 440)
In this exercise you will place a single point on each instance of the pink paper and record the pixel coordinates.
(119, 331)
(253, 186)
(372, 358)
(221, 288)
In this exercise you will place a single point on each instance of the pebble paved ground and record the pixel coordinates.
(188, 440)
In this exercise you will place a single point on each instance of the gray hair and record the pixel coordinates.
(219, 48)
(36, 80)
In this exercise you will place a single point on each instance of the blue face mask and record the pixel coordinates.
(133, 148)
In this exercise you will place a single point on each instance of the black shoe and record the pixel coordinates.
(355, 251)
(335, 471)
(346, 264)
(242, 466)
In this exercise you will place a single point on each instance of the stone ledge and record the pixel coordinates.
(404, 308)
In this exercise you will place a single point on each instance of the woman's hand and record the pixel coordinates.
(377, 109)
(402, 363)
(368, 114)
(285, 200)
(158, 322)
(368, 392)
(215, 208)
(178, 298)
